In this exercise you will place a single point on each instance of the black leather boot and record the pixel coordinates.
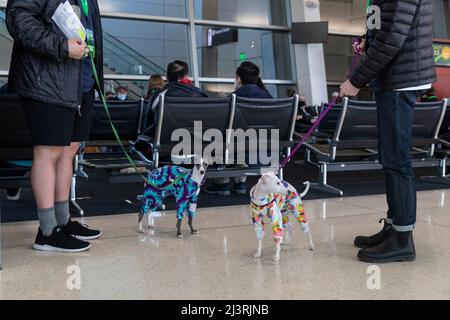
(371, 241)
(399, 246)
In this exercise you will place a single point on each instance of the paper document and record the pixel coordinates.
(69, 23)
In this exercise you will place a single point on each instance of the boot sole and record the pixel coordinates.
(400, 258)
(362, 246)
(87, 238)
(48, 248)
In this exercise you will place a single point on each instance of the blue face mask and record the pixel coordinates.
(122, 97)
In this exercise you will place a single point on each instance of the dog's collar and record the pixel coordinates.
(260, 203)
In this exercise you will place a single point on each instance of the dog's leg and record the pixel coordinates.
(192, 207)
(179, 234)
(306, 230)
(276, 258)
(298, 211)
(193, 231)
(287, 229)
(140, 229)
(181, 209)
(277, 229)
(258, 224)
(150, 220)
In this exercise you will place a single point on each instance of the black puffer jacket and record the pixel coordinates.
(40, 65)
(400, 54)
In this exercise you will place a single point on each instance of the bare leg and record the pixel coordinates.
(64, 171)
(43, 175)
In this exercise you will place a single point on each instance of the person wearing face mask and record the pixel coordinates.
(122, 93)
(248, 84)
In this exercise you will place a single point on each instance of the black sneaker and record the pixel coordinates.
(81, 231)
(59, 241)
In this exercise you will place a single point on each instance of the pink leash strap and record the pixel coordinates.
(308, 134)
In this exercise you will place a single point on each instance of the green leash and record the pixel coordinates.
(116, 134)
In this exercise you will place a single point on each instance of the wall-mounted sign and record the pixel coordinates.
(309, 32)
(442, 54)
(217, 37)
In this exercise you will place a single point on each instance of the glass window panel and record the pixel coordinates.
(269, 50)
(145, 52)
(168, 8)
(260, 12)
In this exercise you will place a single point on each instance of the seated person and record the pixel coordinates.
(154, 88)
(109, 95)
(248, 85)
(303, 116)
(122, 93)
(179, 85)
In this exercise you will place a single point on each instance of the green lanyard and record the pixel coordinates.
(85, 6)
(369, 3)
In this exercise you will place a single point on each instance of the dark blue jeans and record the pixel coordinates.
(395, 120)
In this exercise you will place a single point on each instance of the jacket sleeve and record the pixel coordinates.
(396, 19)
(24, 23)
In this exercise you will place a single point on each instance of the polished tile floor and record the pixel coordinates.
(218, 263)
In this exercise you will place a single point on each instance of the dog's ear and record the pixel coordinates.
(263, 179)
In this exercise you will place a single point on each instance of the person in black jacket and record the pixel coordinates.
(54, 77)
(398, 64)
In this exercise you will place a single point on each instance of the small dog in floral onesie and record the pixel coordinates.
(277, 200)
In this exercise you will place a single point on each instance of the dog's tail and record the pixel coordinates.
(305, 192)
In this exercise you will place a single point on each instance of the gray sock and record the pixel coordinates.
(47, 220)
(62, 212)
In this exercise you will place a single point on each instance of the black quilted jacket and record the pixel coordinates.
(40, 65)
(400, 54)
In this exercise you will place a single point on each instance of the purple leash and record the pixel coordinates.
(308, 134)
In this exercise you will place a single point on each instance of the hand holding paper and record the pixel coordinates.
(69, 23)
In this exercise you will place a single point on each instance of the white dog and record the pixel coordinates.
(277, 199)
